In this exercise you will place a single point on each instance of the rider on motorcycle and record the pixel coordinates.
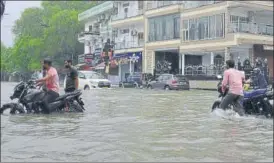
(51, 81)
(258, 79)
(234, 79)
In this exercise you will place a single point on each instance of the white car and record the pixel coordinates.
(91, 79)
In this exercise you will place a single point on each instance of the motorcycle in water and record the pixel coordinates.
(255, 102)
(29, 100)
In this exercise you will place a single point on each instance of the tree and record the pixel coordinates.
(50, 31)
(30, 23)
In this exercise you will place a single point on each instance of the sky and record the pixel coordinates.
(13, 10)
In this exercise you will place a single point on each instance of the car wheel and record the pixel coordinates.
(167, 87)
(149, 87)
(86, 88)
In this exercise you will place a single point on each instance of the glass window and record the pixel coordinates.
(219, 25)
(203, 28)
(177, 27)
(164, 28)
(212, 27)
(159, 29)
(81, 75)
(151, 27)
(166, 77)
(192, 29)
(185, 30)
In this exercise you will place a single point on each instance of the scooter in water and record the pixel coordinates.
(255, 102)
(29, 100)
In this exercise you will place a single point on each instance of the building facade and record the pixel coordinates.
(97, 31)
(128, 35)
(188, 37)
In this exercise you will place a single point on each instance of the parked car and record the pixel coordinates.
(91, 79)
(169, 82)
(136, 80)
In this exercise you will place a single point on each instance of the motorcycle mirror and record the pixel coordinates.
(219, 77)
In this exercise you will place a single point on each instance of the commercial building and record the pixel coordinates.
(97, 31)
(187, 37)
(128, 35)
(214, 32)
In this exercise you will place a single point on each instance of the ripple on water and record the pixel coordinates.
(137, 125)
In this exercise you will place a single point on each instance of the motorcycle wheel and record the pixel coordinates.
(215, 105)
(75, 107)
(267, 108)
(14, 107)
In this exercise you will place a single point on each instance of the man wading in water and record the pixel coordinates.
(72, 81)
(52, 85)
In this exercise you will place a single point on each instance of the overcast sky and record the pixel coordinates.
(14, 10)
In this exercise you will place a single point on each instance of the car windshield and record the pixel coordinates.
(94, 76)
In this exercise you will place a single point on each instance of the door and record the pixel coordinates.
(165, 80)
(157, 84)
(82, 79)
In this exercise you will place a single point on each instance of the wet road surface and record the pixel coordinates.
(136, 125)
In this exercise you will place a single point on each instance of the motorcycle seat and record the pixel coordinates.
(68, 94)
(253, 93)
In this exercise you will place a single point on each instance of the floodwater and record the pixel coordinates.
(136, 125)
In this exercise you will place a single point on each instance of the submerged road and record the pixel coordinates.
(136, 125)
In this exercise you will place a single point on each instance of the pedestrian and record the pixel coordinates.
(72, 81)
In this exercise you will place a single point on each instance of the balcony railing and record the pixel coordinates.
(129, 44)
(105, 29)
(159, 4)
(204, 70)
(125, 16)
(83, 34)
(260, 29)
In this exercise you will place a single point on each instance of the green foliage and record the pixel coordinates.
(49, 31)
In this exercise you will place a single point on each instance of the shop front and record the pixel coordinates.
(128, 63)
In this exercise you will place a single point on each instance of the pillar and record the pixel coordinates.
(212, 58)
(227, 20)
(183, 64)
(227, 53)
(180, 62)
(251, 55)
(120, 71)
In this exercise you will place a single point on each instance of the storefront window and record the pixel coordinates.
(164, 28)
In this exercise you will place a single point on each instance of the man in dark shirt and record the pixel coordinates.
(72, 81)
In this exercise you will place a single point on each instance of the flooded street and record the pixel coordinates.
(136, 125)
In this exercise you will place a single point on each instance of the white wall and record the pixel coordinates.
(132, 9)
(266, 19)
(239, 12)
(128, 37)
(99, 43)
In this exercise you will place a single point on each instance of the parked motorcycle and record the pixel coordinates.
(255, 102)
(29, 100)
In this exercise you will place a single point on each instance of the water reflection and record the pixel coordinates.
(137, 125)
